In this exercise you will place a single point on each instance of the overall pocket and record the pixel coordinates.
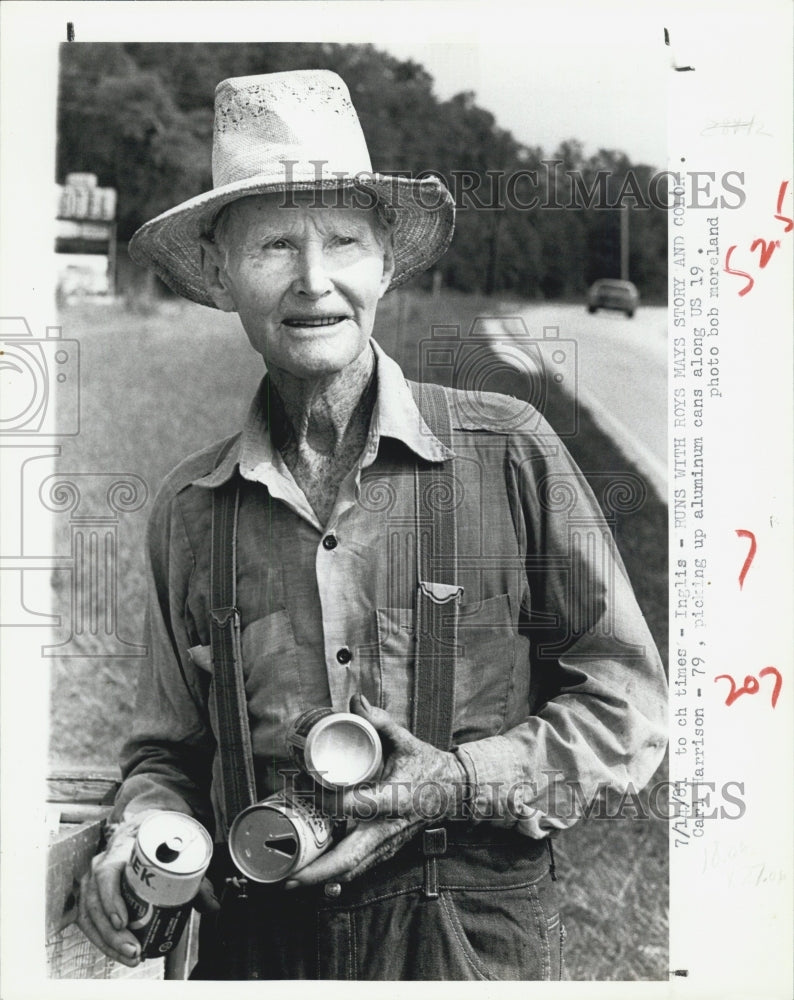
(484, 674)
(545, 904)
(500, 934)
(483, 671)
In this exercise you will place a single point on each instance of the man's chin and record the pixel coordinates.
(318, 361)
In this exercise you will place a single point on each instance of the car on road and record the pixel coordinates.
(609, 293)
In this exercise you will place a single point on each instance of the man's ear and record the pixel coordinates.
(388, 266)
(213, 267)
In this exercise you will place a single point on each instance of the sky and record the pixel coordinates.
(597, 73)
(605, 85)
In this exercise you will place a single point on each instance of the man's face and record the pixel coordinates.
(305, 281)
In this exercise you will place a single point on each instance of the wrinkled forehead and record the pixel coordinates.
(326, 209)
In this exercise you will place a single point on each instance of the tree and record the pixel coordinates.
(140, 117)
(121, 123)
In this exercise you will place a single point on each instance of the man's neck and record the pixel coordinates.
(321, 416)
(321, 426)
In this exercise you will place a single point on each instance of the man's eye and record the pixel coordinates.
(345, 241)
(276, 245)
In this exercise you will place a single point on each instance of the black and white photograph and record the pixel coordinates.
(378, 514)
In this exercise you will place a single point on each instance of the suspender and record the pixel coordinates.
(437, 596)
(234, 743)
(436, 613)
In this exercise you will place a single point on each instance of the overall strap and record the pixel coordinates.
(234, 740)
(438, 593)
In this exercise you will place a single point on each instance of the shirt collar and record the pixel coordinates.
(396, 415)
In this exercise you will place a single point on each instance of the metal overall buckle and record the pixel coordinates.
(434, 845)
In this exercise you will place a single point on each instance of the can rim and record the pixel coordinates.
(331, 720)
(165, 815)
(268, 805)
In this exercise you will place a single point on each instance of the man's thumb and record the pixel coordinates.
(379, 717)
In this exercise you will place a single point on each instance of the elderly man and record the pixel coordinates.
(398, 550)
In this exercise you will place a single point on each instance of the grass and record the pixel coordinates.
(160, 382)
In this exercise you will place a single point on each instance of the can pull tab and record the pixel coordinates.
(169, 850)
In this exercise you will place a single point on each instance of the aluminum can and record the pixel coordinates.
(168, 861)
(82, 180)
(81, 197)
(66, 203)
(337, 749)
(108, 204)
(95, 203)
(280, 835)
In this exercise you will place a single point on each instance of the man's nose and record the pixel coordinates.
(312, 278)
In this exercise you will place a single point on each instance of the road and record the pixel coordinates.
(621, 373)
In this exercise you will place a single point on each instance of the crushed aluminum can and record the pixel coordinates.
(271, 839)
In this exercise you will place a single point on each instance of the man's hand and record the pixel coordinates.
(419, 785)
(102, 914)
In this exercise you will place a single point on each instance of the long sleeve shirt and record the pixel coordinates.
(557, 679)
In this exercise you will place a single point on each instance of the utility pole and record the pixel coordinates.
(490, 270)
(624, 243)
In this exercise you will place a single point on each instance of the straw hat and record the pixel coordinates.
(284, 132)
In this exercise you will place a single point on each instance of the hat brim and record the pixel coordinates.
(423, 213)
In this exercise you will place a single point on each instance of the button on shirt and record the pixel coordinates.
(556, 673)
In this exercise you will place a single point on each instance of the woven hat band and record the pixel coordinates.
(291, 166)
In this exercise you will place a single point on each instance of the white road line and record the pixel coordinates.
(635, 450)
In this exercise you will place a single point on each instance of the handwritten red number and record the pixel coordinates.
(767, 248)
(742, 533)
(773, 671)
(783, 218)
(733, 694)
(751, 685)
(739, 274)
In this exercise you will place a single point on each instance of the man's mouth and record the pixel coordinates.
(305, 321)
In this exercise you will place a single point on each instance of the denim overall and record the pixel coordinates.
(484, 909)
(459, 902)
